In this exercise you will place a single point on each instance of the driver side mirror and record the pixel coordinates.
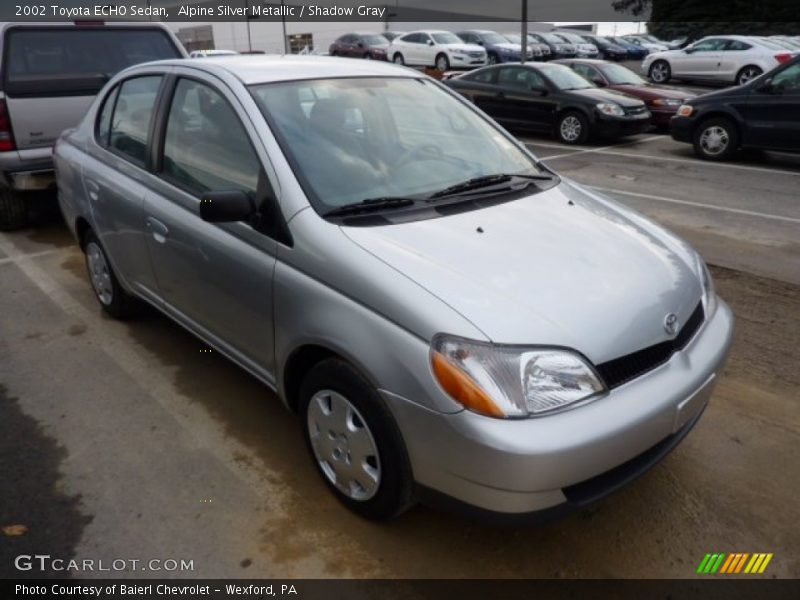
(227, 207)
(430, 42)
(769, 87)
(688, 49)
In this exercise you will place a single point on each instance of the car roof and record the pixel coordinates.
(266, 68)
(88, 25)
(588, 61)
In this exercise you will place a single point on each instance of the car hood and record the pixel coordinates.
(464, 47)
(649, 91)
(561, 267)
(607, 95)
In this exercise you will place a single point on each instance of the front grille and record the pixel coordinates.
(636, 110)
(621, 370)
(475, 54)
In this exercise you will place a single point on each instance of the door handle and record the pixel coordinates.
(93, 189)
(158, 229)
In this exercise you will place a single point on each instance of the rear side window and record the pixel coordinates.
(206, 147)
(104, 122)
(75, 61)
(130, 125)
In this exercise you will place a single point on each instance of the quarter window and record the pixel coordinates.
(206, 146)
(130, 126)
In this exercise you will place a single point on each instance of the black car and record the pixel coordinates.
(559, 48)
(360, 45)
(551, 98)
(762, 114)
(608, 50)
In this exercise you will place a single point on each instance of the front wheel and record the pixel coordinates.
(747, 74)
(572, 128)
(354, 441)
(398, 59)
(660, 72)
(13, 210)
(716, 139)
(442, 62)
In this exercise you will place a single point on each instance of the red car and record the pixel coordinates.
(662, 101)
(360, 45)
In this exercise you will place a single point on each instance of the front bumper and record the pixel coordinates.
(680, 128)
(516, 467)
(608, 126)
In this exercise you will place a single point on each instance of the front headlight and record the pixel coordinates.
(667, 102)
(511, 381)
(686, 110)
(709, 293)
(609, 108)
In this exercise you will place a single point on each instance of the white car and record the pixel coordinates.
(650, 44)
(205, 53)
(582, 47)
(440, 49)
(720, 58)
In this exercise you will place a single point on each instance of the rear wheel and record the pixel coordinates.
(398, 59)
(572, 128)
(716, 139)
(660, 72)
(747, 74)
(354, 441)
(442, 62)
(113, 299)
(13, 210)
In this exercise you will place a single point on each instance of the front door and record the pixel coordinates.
(700, 61)
(773, 112)
(215, 278)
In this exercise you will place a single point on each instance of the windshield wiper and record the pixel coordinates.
(370, 205)
(477, 183)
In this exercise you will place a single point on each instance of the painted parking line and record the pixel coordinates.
(17, 256)
(738, 211)
(693, 161)
(589, 150)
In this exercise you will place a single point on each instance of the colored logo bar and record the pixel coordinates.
(733, 563)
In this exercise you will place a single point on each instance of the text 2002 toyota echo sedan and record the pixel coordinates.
(451, 319)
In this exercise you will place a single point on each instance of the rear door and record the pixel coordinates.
(51, 74)
(732, 58)
(215, 278)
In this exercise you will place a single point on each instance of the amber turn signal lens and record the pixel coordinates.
(462, 388)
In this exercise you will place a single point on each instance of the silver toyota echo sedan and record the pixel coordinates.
(452, 320)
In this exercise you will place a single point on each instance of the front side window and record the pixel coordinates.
(788, 80)
(586, 71)
(712, 45)
(564, 78)
(206, 147)
(353, 139)
(518, 77)
(130, 125)
(446, 37)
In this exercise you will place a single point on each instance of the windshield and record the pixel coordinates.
(565, 78)
(446, 38)
(571, 37)
(553, 39)
(619, 75)
(374, 40)
(353, 139)
(493, 38)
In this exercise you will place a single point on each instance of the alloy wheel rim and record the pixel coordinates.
(441, 63)
(99, 273)
(659, 72)
(571, 128)
(714, 140)
(748, 75)
(343, 445)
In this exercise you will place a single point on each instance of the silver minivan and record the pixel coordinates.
(452, 320)
(49, 75)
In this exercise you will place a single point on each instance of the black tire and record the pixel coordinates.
(572, 121)
(747, 74)
(119, 304)
(13, 210)
(660, 72)
(716, 139)
(394, 492)
(441, 62)
(398, 59)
